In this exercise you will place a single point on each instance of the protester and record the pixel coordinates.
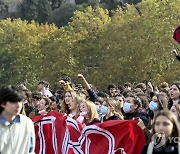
(88, 112)
(176, 110)
(43, 87)
(69, 105)
(158, 103)
(66, 85)
(120, 102)
(127, 86)
(174, 94)
(55, 103)
(132, 107)
(166, 127)
(17, 130)
(164, 85)
(44, 106)
(142, 86)
(112, 90)
(165, 93)
(91, 94)
(145, 102)
(113, 112)
(86, 107)
(32, 108)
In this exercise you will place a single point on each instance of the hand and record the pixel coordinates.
(70, 115)
(141, 124)
(62, 82)
(174, 52)
(83, 114)
(80, 76)
(150, 85)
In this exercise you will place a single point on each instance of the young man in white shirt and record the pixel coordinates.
(43, 87)
(17, 130)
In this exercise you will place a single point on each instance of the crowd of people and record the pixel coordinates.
(157, 109)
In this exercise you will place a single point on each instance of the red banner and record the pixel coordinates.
(58, 134)
(176, 35)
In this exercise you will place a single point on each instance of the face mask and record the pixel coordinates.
(153, 106)
(97, 108)
(42, 112)
(103, 110)
(83, 113)
(127, 107)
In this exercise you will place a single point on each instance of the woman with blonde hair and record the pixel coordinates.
(88, 112)
(113, 111)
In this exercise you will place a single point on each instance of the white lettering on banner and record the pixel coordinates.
(97, 130)
(44, 121)
(77, 141)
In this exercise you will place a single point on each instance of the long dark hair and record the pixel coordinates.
(177, 84)
(172, 118)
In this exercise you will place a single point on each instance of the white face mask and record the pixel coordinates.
(127, 107)
(42, 112)
(83, 113)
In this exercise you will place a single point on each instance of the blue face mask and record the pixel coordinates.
(103, 110)
(127, 107)
(153, 106)
(97, 108)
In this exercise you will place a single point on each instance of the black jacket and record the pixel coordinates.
(170, 148)
(113, 117)
(137, 114)
(178, 57)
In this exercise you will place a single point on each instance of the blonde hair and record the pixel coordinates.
(114, 105)
(92, 110)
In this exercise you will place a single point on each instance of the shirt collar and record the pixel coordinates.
(7, 123)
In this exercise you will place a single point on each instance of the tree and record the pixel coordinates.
(61, 16)
(29, 9)
(138, 47)
(88, 26)
(56, 4)
(20, 53)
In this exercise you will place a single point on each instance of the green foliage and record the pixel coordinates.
(56, 4)
(132, 1)
(44, 10)
(79, 2)
(3, 10)
(139, 46)
(131, 45)
(88, 27)
(38, 10)
(20, 50)
(111, 4)
(29, 9)
(62, 15)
